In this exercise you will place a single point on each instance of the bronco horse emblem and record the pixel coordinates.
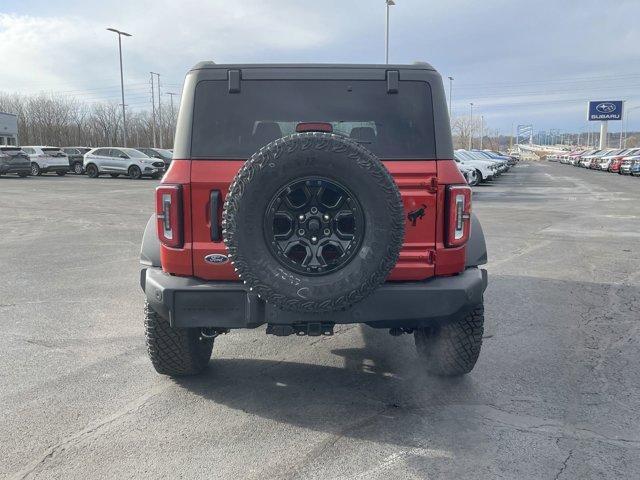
(416, 214)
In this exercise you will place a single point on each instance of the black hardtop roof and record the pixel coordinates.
(239, 66)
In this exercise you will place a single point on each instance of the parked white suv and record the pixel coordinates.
(121, 161)
(47, 159)
(485, 170)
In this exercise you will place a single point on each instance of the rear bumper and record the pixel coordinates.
(190, 302)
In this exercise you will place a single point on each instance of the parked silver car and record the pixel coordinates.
(47, 159)
(121, 161)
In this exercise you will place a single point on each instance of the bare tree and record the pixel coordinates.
(59, 120)
(462, 128)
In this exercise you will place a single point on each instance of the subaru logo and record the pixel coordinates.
(216, 258)
(606, 107)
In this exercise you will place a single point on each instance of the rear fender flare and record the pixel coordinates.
(150, 249)
(476, 251)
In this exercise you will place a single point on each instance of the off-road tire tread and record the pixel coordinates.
(175, 351)
(452, 349)
(371, 166)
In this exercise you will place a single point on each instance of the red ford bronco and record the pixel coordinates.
(304, 196)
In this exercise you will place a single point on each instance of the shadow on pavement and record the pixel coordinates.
(380, 395)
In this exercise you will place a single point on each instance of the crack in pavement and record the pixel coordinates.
(95, 428)
(563, 467)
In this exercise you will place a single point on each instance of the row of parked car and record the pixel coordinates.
(480, 166)
(477, 166)
(36, 160)
(625, 161)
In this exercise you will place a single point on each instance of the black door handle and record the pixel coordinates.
(216, 234)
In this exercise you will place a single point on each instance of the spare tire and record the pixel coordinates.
(313, 222)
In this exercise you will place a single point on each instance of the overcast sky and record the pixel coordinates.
(518, 61)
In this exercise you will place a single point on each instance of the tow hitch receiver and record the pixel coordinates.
(300, 329)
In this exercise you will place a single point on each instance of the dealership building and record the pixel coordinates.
(8, 129)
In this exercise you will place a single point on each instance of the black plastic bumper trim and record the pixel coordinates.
(190, 302)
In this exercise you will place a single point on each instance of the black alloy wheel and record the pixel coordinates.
(314, 226)
(134, 172)
(92, 171)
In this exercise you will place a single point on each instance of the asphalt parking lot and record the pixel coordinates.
(555, 394)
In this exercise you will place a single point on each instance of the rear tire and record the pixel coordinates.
(92, 171)
(175, 351)
(452, 349)
(77, 168)
(35, 169)
(134, 172)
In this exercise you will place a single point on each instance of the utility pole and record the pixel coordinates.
(481, 129)
(159, 110)
(386, 38)
(471, 127)
(173, 117)
(124, 117)
(450, 95)
(153, 112)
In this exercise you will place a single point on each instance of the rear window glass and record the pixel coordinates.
(51, 150)
(235, 125)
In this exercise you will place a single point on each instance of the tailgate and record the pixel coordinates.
(210, 180)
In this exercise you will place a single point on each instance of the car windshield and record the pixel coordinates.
(235, 125)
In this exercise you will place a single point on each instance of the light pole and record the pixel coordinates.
(471, 127)
(173, 118)
(153, 112)
(481, 129)
(124, 117)
(159, 109)
(386, 38)
(450, 97)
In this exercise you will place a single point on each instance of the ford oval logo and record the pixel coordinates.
(216, 258)
(606, 107)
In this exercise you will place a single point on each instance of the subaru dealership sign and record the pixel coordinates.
(605, 110)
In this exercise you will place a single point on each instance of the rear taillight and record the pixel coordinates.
(458, 215)
(169, 215)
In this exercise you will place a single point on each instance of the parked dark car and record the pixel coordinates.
(161, 153)
(76, 158)
(14, 160)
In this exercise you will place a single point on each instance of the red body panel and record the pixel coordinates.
(179, 260)
(449, 261)
(208, 175)
(422, 185)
